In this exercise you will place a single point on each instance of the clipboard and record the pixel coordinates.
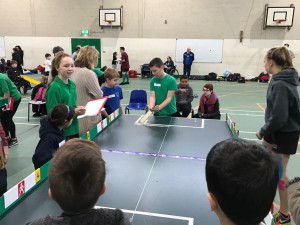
(94, 107)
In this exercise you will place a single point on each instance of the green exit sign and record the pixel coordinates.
(85, 32)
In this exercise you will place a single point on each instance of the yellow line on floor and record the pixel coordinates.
(260, 106)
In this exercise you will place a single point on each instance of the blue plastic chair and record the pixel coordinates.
(138, 101)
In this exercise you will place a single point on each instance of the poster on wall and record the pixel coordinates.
(2, 47)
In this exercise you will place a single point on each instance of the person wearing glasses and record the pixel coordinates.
(209, 107)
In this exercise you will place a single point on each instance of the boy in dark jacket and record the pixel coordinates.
(51, 133)
(13, 71)
(76, 180)
(16, 77)
(184, 97)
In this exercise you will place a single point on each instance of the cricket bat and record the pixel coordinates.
(145, 117)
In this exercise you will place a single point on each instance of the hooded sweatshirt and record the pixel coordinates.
(184, 97)
(283, 108)
(92, 217)
(50, 138)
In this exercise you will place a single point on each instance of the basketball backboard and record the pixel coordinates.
(279, 16)
(110, 17)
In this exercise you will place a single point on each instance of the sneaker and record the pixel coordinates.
(37, 114)
(126, 82)
(122, 83)
(13, 142)
(280, 220)
(8, 140)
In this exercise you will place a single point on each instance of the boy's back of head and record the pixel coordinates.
(242, 178)
(57, 49)
(47, 55)
(111, 73)
(77, 176)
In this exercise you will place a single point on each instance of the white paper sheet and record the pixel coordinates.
(93, 107)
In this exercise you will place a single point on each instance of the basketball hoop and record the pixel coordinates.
(109, 21)
(279, 21)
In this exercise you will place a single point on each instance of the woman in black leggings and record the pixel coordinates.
(10, 91)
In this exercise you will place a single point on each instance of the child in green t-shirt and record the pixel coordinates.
(63, 90)
(162, 90)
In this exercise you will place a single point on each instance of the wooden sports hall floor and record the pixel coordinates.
(244, 103)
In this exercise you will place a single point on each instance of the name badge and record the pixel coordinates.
(112, 96)
(157, 85)
(61, 143)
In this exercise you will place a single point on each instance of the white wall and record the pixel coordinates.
(245, 58)
(35, 48)
(198, 19)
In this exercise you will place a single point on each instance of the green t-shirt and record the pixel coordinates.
(98, 72)
(6, 85)
(59, 92)
(161, 88)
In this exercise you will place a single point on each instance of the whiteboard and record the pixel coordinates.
(2, 47)
(205, 50)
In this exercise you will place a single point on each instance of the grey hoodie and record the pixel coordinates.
(283, 108)
(184, 97)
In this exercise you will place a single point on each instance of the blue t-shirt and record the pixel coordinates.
(114, 95)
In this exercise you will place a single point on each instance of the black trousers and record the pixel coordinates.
(39, 109)
(187, 70)
(184, 110)
(7, 120)
(3, 181)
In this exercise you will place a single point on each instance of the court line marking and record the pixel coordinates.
(25, 117)
(238, 107)
(29, 124)
(252, 139)
(240, 110)
(225, 84)
(137, 121)
(150, 172)
(153, 154)
(247, 132)
(243, 114)
(236, 93)
(165, 125)
(189, 219)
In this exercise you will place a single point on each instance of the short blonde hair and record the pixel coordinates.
(111, 73)
(87, 57)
